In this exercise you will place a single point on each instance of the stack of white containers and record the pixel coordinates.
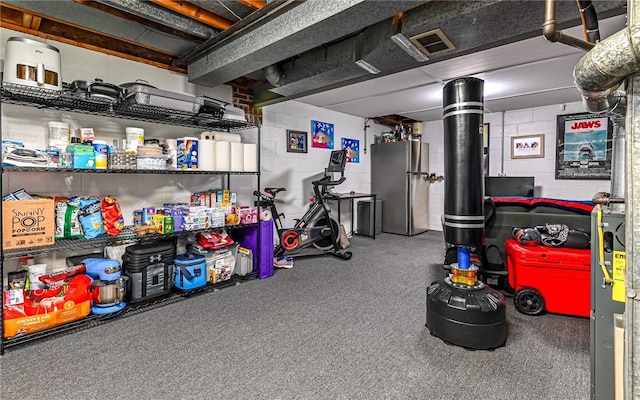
(221, 151)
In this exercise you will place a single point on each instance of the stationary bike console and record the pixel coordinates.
(316, 227)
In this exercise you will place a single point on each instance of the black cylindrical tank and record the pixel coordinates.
(463, 109)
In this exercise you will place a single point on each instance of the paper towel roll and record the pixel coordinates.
(188, 153)
(226, 137)
(223, 156)
(237, 157)
(250, 157)
(171, 143)
(206, 152)
(206, 136)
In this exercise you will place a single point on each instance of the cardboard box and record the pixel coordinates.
(27, 223)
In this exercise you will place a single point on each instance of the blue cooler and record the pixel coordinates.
(191, 271)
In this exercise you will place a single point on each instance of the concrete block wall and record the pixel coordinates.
(504, 126)
(295, 171)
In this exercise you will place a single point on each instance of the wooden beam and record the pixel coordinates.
(26, 20)
(393, 120)
(35, 23)
(195, 12)
(256, 4)
(142, 21)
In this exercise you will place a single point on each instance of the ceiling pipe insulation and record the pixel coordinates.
(600, 73)
(598, 76)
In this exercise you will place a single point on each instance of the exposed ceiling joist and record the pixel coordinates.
(49, 28)
(393, 120)
(142, 21)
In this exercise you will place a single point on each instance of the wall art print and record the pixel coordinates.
(322, 134)
(531, 146)
(352, 146)
(584, 147)
(296, 141)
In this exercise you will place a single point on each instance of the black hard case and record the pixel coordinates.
(150, 268)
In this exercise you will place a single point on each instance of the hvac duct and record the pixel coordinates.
(598, 75)
(273, 74)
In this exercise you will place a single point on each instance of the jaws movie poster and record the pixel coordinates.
(584, 147)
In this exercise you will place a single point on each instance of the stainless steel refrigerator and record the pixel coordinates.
(400, 178)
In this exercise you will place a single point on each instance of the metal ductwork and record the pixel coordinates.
(601, 72)
(332, 66)
(274, 74)
(598, 76)
(304, 26)
(162, 16)
(326, 65)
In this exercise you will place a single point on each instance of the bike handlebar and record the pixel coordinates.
(263, 197)
(326, 181)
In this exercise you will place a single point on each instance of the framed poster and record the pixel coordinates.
(322, 134)
(583, 146)
(531, 146)
(352, 146)
(296, 141)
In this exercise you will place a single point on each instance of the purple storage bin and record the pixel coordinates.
(247, 237)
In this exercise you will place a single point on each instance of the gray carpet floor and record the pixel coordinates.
(326, 329)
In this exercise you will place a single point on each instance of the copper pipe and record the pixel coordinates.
(195, 12)
(256, 4)
(604, 199)
(552, 34)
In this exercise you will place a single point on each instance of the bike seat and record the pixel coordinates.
(274, 191)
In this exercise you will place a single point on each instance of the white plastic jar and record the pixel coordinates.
(135, 137)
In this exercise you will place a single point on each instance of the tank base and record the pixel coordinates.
(473, 317)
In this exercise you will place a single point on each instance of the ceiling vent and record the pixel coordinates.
(432, 42)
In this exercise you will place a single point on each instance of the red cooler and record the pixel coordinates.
(555, 279)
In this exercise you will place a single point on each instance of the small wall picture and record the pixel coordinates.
(322, 134)
(352, 146)
(296, 141)
(531, 146)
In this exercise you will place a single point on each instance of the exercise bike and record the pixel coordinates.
(316, 227)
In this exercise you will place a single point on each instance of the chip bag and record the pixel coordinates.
(67, 219)
(91, 217)
(112, 218)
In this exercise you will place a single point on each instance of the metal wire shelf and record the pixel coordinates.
(128, 233)
(124, 171)
(66, 101)
(13, 93)
(93, 320)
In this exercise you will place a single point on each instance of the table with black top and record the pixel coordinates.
(339, 197)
